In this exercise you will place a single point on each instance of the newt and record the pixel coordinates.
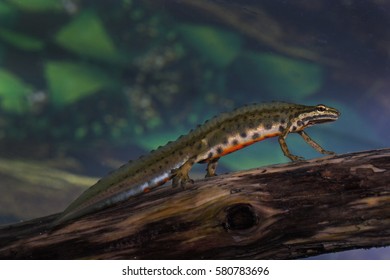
(207, 143)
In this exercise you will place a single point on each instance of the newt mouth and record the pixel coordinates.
(321, 121)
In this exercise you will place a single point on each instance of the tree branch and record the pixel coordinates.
(282, 211)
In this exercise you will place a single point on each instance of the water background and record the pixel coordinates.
(88, 85)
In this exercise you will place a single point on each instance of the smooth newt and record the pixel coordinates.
(221, 135)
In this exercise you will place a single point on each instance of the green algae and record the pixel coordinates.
(21, 41)
(279, 76)
(69, 81)
(86, 35)
(13, 92)
(218, 46)
(37, 5)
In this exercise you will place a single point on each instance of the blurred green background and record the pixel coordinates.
(87, 85)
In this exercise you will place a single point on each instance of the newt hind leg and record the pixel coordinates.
(211, 167)
(180, 175)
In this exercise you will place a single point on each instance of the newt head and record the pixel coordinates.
(318, 114)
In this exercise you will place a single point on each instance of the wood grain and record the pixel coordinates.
(284, 211)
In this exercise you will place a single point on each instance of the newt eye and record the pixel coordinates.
(321, 108)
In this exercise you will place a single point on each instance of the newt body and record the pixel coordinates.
(221, 135)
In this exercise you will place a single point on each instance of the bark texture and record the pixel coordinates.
(284, 211)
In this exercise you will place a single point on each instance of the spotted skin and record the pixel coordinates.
(207, 143)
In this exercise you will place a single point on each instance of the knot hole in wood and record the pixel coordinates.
(240, 216)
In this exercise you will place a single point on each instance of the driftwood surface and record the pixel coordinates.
(284, 211)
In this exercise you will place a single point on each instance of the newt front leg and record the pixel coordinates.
(283, 144)
(314, 144)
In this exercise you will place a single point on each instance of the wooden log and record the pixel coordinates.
(282, 211)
